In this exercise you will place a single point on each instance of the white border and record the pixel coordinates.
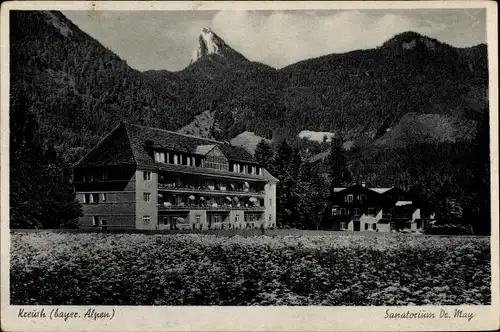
(311, 318)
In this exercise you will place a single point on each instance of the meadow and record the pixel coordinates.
(198, 269)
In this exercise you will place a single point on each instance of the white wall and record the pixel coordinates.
(143, 208)
(270, 204)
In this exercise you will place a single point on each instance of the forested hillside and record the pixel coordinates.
(81, 89)
(414, 109)
(78, 88)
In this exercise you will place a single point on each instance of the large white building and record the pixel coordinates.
(146, 178)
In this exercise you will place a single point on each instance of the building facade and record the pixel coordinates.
(358, 208)
(145, 178)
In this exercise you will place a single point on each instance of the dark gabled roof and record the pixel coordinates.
(114, 149)
(170, 140)
(126, 144)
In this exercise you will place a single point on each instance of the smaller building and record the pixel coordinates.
(359, 208)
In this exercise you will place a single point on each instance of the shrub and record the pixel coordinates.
(449, 229)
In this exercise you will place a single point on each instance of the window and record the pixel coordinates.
(374, 226)
(356, 212)
(390, 198)
(216, 218)
(258, 170)
(84, 178)
(94, 198)
(103, 176)
(350, 198)
(147, 176)
(343, 225)
(91, 178)
(165, 221)
(253, 170)
(270, 217)
(95, 220)
(147, 197)
(343, 211)
(401, 198)
(86, 198)
(198, 218)
(270, 201)
(371, 211)
(366, 227)
(103, 197)
(363, 198)
(237, 218)
(160, 157)
(175, 159)
(104, 222)
(188, 161)
(146, 220)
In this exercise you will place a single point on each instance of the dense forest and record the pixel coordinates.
(453, 177)
(414, 109)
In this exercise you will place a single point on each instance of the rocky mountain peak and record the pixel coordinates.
(210, 43)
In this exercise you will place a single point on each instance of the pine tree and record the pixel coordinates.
(478, 202)
(40, 194)
(264, 155)
(311, 194)
(285, 169)
(337, 164)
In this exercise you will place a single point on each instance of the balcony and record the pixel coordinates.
(208, 207)
(205, 189)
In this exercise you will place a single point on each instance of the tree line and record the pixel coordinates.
(454, 177)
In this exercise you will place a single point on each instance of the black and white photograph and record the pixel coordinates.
(249, 157)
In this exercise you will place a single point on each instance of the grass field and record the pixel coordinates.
(195, 269)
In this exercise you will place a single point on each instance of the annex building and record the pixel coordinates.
(359, 208)
(146, 178)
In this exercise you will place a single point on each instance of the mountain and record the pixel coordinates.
(210, 46)
(81, 89)
(410, 110)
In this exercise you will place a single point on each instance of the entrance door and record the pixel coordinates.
(356, 225)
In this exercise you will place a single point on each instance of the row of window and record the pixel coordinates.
(96, 220)
(94, 198)
(246, 169)
(215, 218)
(350, 198)
(95, 177)
(357, 211)
(174, 158)
(362, 198)
(215, 162)
(343, 226)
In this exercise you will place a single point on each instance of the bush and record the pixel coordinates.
(137, 269)
(449, 229)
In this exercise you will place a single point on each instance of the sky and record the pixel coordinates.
(166, 39)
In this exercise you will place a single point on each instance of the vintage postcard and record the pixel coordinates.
(249, 166)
